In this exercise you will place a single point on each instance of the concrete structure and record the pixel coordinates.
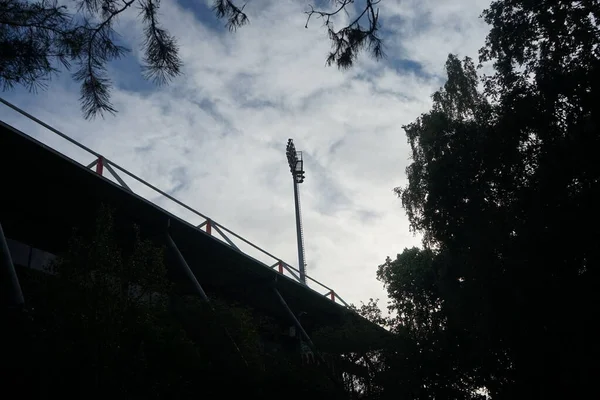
(45, 194)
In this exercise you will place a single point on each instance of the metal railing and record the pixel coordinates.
(207, 225)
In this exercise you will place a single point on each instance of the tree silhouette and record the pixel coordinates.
(501, 186)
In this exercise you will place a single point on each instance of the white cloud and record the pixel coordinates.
(430, 29)
(216, 136)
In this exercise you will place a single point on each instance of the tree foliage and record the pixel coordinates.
(361, 33)
(410, 280)
(40, 37)
(105, 319)
(99, 322)
(501, 186)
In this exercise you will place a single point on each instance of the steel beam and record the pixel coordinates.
(295, 320)
(116, 176)
(202, 224)
(9, 281)
(216, 227)
(291, 271)
(309, 341)
(337, 296)
(190, 274)
(90, 165)
(186, 268)
(45, 125)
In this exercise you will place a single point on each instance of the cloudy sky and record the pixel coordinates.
(215, 138)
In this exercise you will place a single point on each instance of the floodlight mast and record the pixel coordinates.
(297, 169)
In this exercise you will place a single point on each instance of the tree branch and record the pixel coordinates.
(235, 15)
(35, 34)
(95, 88)
(327, 15)
(350, 40)
(162, 61)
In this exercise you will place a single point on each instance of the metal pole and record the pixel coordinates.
(201, 292)
(9, 281)
(295, 320)
(308, 340)
(62, 135)
(186, 268)
(301, 265)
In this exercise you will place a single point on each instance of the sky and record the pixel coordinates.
(215, 137)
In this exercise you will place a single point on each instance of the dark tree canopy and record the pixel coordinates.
(106, 319)
(40, 37)
(502, 186)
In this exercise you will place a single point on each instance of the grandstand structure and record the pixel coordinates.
(46, 193)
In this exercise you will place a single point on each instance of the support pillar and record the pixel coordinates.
(295, 320)
(310, 343)
(186, 268)
(12, 296)
(190, 274)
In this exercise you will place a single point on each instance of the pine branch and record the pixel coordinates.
(31, 36)
(350, 40)
(39, 36)
(96, 86)
(235, 15)
(161, 60)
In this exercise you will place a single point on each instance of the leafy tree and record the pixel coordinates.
(411, 283)
(501, 186)
(107, 306)
(38, 37)
(427, 359)
(104, 307)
